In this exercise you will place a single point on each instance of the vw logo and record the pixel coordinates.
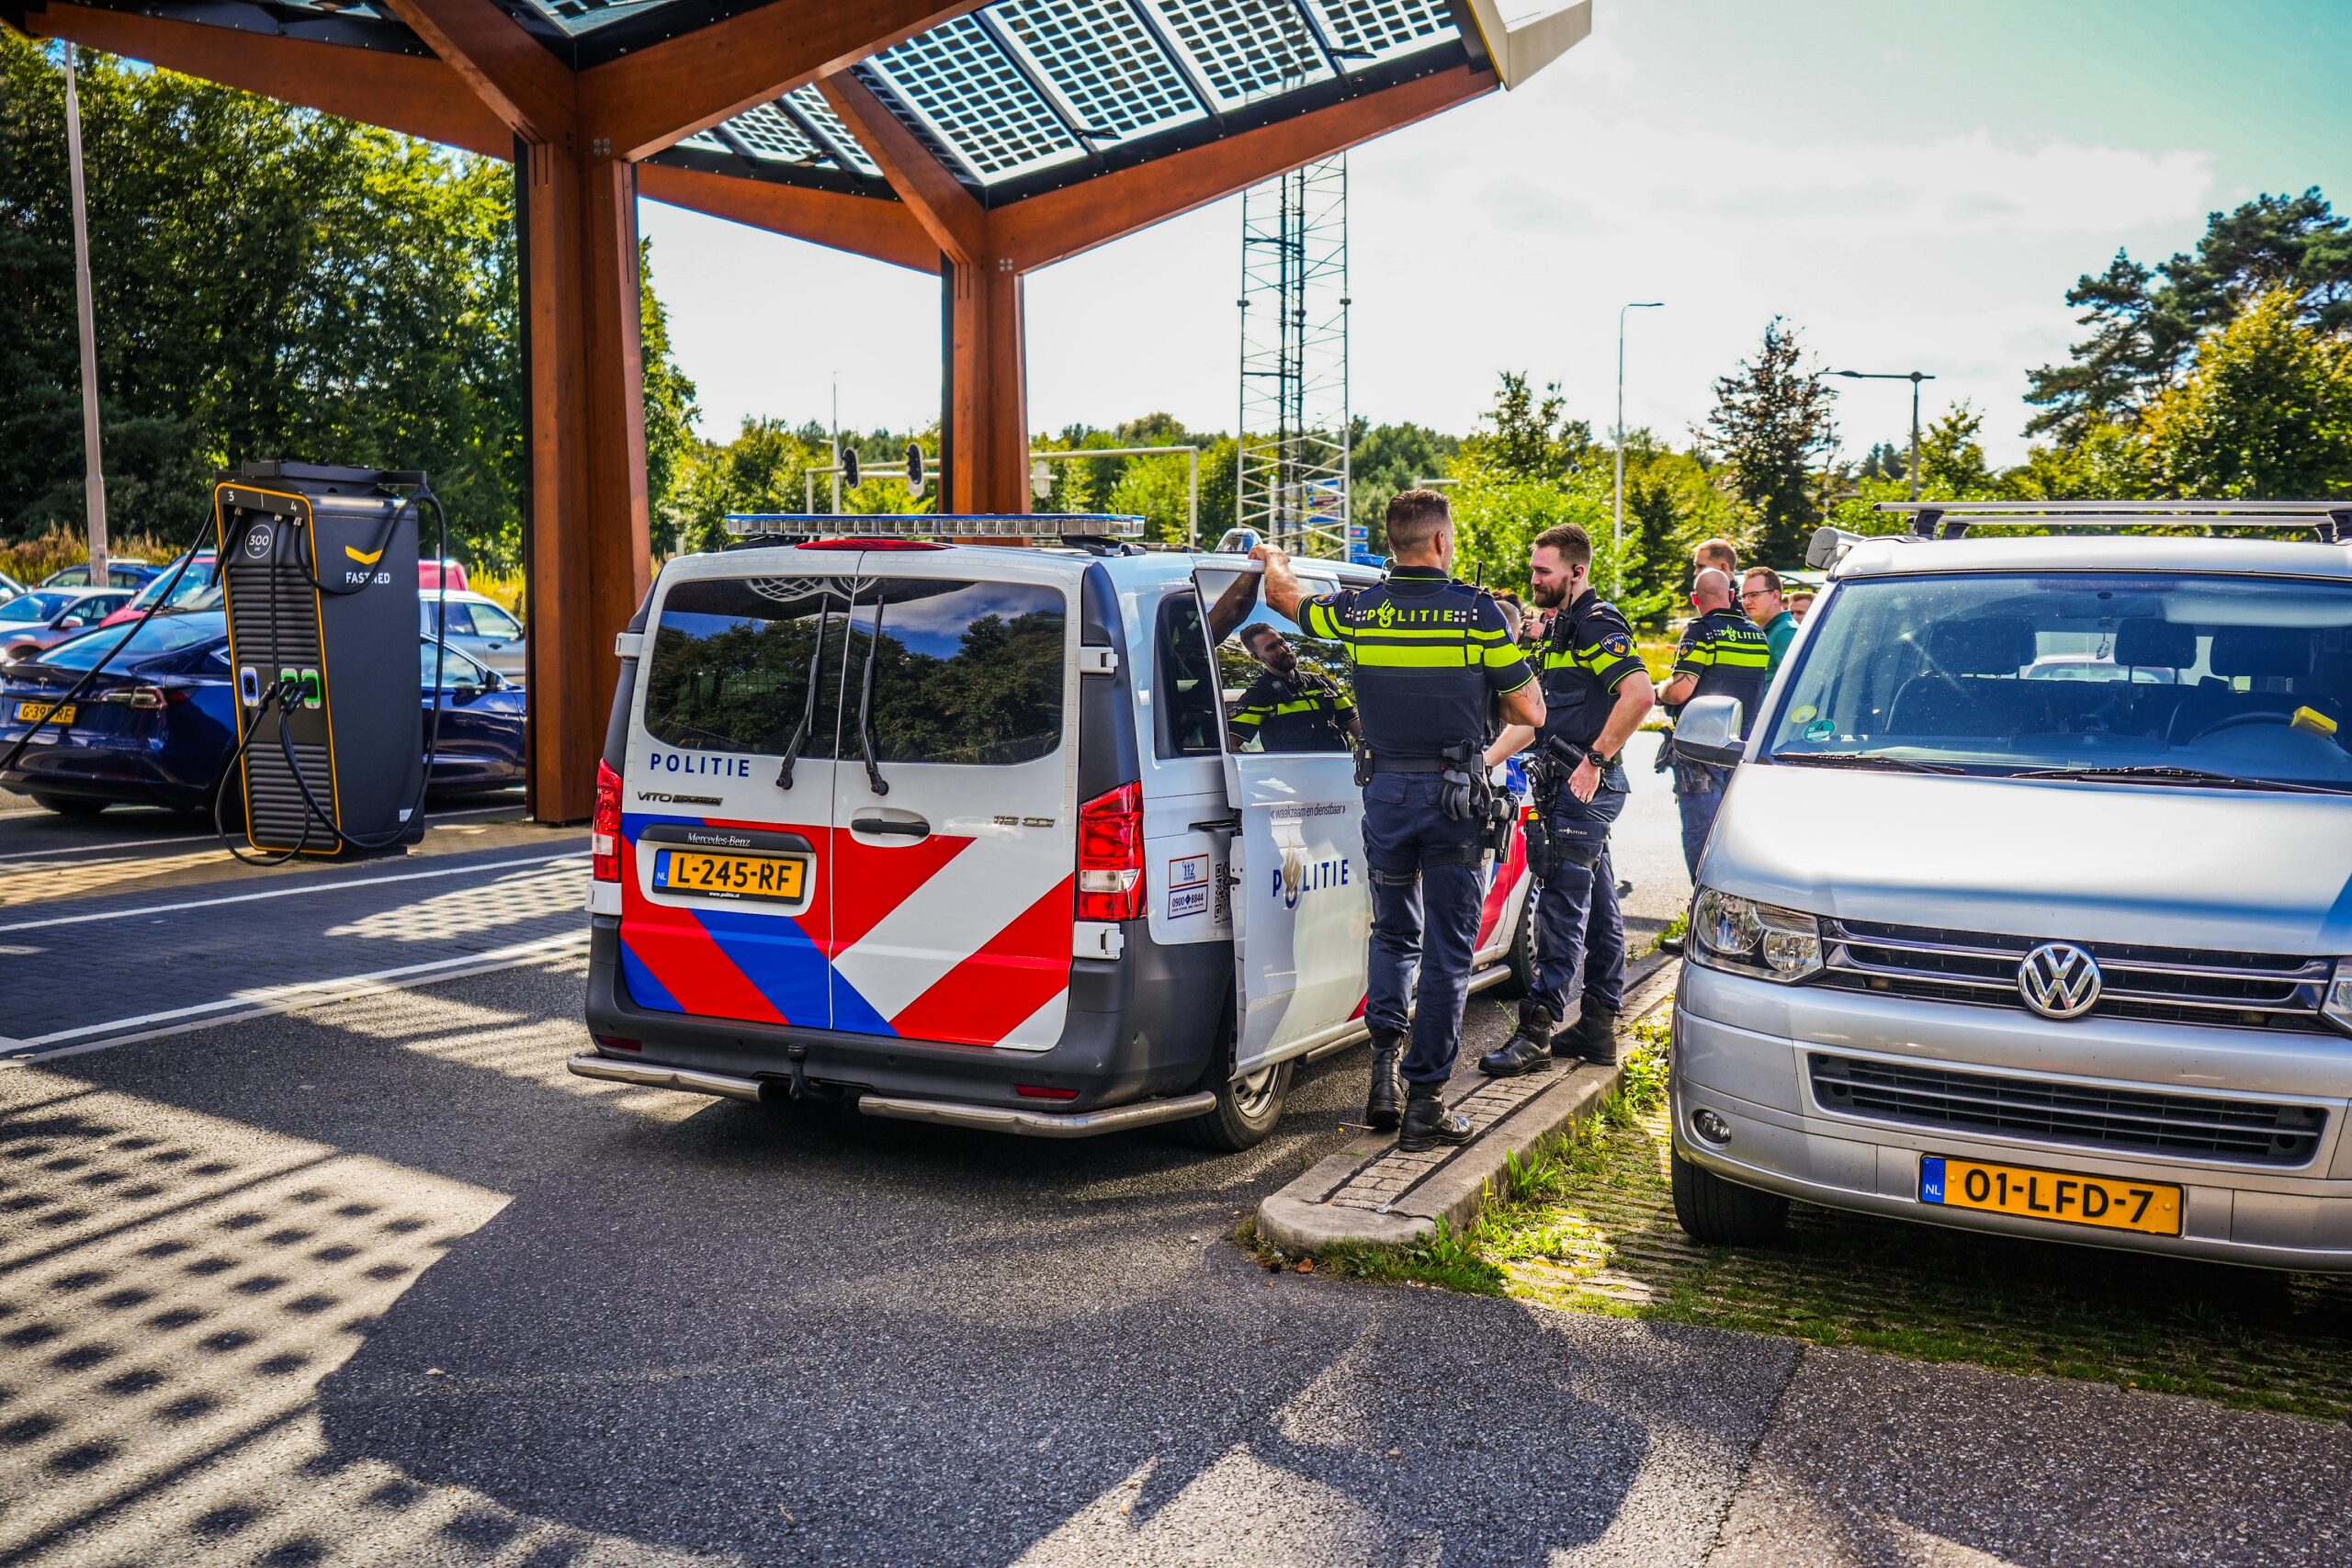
(2059, 980)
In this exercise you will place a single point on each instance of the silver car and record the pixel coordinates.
(477, 624)
(2060, 958)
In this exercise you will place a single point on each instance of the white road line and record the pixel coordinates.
(9, 858)
(273, 999)
(308, 886)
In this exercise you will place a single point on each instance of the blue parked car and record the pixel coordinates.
(160, 722)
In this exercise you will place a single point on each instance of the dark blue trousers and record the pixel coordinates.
(1425, 901)
(1698, 795)
(1579, 930)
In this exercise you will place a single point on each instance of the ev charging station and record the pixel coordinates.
(319, 583)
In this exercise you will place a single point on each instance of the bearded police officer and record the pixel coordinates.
(1722, 654)
(1430, 654)
(1595, 695)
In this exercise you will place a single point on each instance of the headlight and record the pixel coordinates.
(1764, 940)
(2337, 1006)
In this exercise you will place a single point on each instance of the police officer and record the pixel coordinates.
(1288, 709)
(1722, 654)
(1429, 652)
(1595, 695)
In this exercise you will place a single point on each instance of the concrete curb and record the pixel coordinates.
(1370, 1193)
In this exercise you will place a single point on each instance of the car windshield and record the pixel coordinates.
(195, 581)
(164, 634)
(2241, 678)
(37, 605)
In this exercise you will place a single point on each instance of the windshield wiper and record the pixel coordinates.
(2161, 773)
(807, 703)
(1864, 759)
(866, 703)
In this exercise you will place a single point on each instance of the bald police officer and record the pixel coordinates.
(1430, 654)
(1595, 693)
(1722, 654)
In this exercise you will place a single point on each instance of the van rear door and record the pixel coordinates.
(728, 855)
(1302, 909)
(955, 803)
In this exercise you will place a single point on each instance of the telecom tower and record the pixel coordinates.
(1292, 464)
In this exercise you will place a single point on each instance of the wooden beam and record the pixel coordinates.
(987, 406)
(589, 559)
(643, 102)
(407, 93)
(863, 225)
(954, 217)
(1061, 224)
(513, 73)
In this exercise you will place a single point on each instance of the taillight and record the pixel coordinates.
(1109, 855)
(148, 697)
(605, 828)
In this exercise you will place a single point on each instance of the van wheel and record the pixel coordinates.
(1520, 956)
(1245, 1112)
(1724, 1213)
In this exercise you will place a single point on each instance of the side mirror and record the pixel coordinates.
(71, 623)
(492, 680)
(1708, 731)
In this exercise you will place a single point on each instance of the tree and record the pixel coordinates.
(1530, 438)
(1386, 458)
(1770, 424)
(2145, 325)
(1952, 459)
(2265, 413)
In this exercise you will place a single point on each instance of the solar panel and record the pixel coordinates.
(1372, 31)
(1245, 49)
(1103, 61)
(704, 142)
(767, 135)
(810, 105)
(973, 98)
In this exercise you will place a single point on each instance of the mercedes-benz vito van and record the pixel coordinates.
(2030, 905)
(983, 834)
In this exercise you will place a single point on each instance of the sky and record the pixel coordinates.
(1911, 185)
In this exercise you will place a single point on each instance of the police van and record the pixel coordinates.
(990, 834)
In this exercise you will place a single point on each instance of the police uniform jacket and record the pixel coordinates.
(1730, 655)
(1428, 652)
(1588, 655)
(1299, 712)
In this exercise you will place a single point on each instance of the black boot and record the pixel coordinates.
(1386, 1105)
(1529, 1050)
(1428, 1123)
(1594, 1036)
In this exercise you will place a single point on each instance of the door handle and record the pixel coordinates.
(1216, 825)
(890, 827)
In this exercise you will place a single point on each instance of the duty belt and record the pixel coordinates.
(1408, 764)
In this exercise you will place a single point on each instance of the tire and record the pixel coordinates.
(1520, 956)
(1244, 1112)
(1717, 1213)
(69, 805)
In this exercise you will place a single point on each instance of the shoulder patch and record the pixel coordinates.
(1617, 645)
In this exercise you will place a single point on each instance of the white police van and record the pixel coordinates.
(968, 833)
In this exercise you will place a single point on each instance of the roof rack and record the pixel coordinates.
(2329, 520)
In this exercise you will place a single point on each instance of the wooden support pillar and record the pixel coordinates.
(986, 407)
(589, 553)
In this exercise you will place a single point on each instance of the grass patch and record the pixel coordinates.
(1586, 1224)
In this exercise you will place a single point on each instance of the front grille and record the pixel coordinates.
(2169, 984)
(2244, 1132)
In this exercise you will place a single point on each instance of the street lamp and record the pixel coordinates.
(1915, 377)
(1618, 588)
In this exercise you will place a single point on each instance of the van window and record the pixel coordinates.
(1190, 719)
(730, 662)
(1284, 691)
(962, 673)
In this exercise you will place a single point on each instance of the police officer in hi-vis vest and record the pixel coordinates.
(1595, 693)
(1430, 654)
(1722, 654)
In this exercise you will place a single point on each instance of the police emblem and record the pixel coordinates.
(1617, 645)
(1387, 614)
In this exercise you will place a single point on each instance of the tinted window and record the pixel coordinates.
(1190, 718)
(730, 664)
(456, 669)
(1282, 691)
(966, 672)
(164, 634)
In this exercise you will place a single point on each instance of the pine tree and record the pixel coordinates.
(1772, 426)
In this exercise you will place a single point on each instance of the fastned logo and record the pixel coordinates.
(365, 557)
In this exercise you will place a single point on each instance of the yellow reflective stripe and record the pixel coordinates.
(1740, 656)
(1503, 657)
(1319, 619)
(1249, 715)
(1308, 705)
(1405, 657)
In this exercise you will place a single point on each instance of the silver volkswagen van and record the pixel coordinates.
(2028, 907)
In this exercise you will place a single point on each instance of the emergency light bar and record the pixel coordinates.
(934, 526)
(2332, 520)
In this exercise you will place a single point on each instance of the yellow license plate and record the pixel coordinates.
(2151, 1208)
(780, 877)
(33, 713)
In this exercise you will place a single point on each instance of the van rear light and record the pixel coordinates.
(1109, 855)
(1043, 1092)
(619, 1043)
(604, 827)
